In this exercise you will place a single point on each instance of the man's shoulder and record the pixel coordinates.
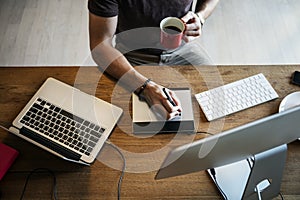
(104, 8)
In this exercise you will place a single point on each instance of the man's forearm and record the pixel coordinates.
(112, 62)
(206, 7)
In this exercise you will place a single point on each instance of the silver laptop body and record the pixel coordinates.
(66, 122)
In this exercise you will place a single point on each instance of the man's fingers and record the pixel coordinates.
(162, 114)
(188, 17)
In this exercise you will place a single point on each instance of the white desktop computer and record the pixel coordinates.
(246, 162)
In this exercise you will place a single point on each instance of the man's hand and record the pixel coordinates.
(193, 27)
(159, 103)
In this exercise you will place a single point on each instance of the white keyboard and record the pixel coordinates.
(235, 96)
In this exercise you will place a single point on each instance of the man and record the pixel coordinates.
(135, 24)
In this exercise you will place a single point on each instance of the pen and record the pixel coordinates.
(168, 97)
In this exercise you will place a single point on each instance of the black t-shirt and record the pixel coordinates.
(135, 15)
(139, 13)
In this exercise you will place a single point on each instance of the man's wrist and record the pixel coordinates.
(140, 90)
(201, 18)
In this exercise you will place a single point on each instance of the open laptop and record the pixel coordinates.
(66, 122)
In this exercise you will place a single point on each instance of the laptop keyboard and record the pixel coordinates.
(62, 126)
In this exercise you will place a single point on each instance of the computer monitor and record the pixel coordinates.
(233, 145)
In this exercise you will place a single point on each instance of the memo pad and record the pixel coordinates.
(146, 121)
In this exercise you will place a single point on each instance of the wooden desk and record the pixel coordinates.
(99, 181)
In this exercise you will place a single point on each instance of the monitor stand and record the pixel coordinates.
(258, 177)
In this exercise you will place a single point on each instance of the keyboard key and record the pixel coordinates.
(96, 134)
(37, 106)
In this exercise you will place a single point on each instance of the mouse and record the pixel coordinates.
(290, 101)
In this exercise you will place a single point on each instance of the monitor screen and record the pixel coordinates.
(233, 145)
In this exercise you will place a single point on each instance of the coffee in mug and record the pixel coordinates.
(172, 29)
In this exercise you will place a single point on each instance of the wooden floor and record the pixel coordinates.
(254, 32)
(42, 32)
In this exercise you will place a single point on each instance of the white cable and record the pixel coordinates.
(4, 128)
(123, 168)
(258, 193)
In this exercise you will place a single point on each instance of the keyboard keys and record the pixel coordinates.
(64, 127)
(235, 96)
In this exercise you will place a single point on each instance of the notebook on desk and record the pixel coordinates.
(66, 121)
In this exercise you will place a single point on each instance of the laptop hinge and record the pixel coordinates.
(67, 153)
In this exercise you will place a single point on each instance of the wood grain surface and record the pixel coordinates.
(143, 154)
